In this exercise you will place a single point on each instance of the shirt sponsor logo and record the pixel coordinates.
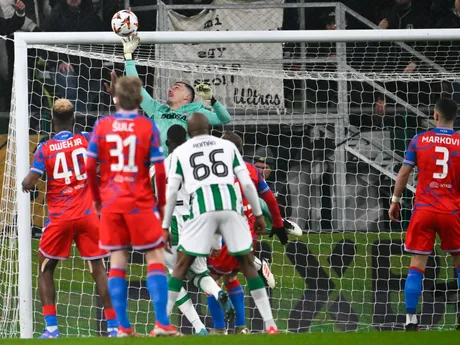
(175, 116)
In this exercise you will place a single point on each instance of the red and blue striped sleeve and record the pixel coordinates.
(411, 154)
(156, 151)
(38, 164)
(93, 145)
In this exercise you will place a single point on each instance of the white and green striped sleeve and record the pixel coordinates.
(175, 170)
(238, 163)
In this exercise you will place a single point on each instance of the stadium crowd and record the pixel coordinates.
(95, 15)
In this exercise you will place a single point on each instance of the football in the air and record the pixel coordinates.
(124, 23)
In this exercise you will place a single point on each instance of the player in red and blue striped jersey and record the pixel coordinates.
(71, 215)
(124, 145)
(436, 154)
(227, 267)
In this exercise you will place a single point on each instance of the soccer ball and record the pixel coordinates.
(124, 23)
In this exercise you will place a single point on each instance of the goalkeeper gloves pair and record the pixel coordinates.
(131, 43)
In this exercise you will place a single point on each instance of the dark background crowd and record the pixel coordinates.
(95, 15)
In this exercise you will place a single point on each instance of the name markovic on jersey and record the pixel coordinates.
(438, 139)
(204, 144)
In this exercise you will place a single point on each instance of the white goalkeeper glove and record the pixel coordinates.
(130, 44)
(204, 91)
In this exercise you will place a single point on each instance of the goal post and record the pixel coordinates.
(348, 141)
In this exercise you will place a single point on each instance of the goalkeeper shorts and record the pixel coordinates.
(58, 236)
(423, 227)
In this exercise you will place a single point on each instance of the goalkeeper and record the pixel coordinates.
(180, 103)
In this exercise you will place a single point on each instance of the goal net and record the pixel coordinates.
(328, 123)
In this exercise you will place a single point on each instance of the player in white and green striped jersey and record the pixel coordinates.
(205, 166)
(198, 272)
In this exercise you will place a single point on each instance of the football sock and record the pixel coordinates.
(157, 284)
(216, 312)
(49, 312)
(458, 276)
(185, 305)
(174, 287)
(119, 294)
(236, 294)
(413, 290)
(259, 294)
(207, 285)
(111, 318)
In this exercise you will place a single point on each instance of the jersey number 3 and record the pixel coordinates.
(61, 168)
(120, 144)
(442, 162)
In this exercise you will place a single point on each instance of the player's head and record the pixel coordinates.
(128, 93)
(175, 137)
(197, 124)
(234, 138)
(63, 115)
(445, 112)
(181, 93)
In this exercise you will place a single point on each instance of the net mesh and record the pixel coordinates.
(331, 128)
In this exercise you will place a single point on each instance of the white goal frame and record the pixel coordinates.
(23, 40)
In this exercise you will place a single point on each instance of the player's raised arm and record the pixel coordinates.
(220, 115)
(37, 170)
(148, 104)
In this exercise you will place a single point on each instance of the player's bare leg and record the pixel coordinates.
(204, 282)
(48, 295)
(257, 289)
(97, 270)
(413, 289)
(456, 262)
(236, 294)
(157, 284)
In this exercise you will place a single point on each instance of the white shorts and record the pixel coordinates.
(199, 266)
(197, 237)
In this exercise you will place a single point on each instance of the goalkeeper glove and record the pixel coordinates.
(130, 44)
(204, 91)
(281, 233)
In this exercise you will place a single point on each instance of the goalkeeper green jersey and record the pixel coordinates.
(165, 117)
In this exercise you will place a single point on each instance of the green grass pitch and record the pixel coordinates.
(383, 338)
(76, 301)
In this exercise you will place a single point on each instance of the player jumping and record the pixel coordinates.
(124, 145)
(206, 165)
(198, 272)
(226, 266)
(71, 214)
(181, 98)
(436, 153)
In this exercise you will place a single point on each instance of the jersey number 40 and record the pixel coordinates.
(61, 166)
